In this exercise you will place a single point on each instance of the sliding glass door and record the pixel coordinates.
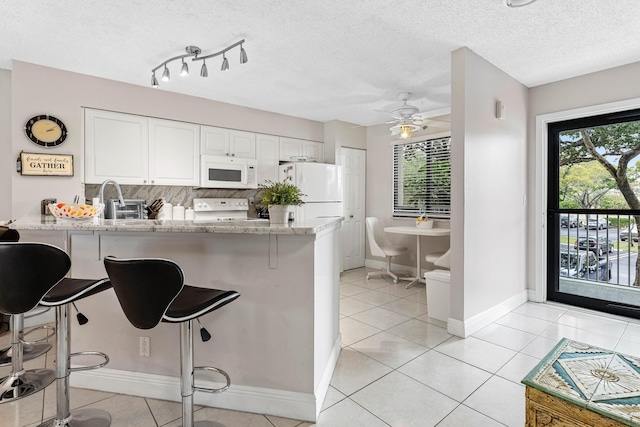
(593, 212)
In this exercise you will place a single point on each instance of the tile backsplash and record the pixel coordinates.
(172, 194)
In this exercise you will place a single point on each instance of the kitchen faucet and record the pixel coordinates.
(120, 198)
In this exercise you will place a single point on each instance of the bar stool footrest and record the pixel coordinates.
(213, 390)
(89, 353)
(29, 352)
(50, 334)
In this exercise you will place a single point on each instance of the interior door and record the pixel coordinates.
(353, 163)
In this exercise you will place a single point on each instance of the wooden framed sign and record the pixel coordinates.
(46, 164)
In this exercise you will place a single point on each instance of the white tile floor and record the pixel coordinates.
(398, 367)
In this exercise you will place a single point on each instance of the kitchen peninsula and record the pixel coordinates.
(279, 341)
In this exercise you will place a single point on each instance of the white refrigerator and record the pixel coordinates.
(322, 185)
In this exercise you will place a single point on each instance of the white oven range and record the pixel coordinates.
(220, 209)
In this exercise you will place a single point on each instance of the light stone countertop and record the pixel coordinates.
(251, 226)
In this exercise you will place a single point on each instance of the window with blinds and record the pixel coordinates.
(422, 178)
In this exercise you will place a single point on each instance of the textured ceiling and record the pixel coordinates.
(321, 59)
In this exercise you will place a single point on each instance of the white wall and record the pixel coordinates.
(592, 91)
(42, 90)
(7, 161)
(488, 220)
(338, 134)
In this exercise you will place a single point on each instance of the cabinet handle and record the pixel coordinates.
(350, 216)
(233, 154)
(144, 181)
(152, 181)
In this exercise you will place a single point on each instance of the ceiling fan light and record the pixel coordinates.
(405, 132)
(225, 63)
(203, 71)
(184, 71)
(166, 76)
(154, 81)
(243, 56)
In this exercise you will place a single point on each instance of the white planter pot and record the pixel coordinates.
(279, 214)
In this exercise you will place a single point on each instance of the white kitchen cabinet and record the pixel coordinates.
(137, 150)
(268, 153)
(292, 148)
(313, 150)
(242, 144)
(116, 147)
(174, 153)
(227, 142)
(214, 141)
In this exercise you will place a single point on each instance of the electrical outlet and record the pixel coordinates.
(145, 346)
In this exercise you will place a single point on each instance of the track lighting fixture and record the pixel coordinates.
(165, 74)
(243, 55)
(184, 71)
(203, 71)
(194, 52)
(225, 63)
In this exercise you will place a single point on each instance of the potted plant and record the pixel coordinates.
(278, 197)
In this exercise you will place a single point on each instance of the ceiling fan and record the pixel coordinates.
(406, 118)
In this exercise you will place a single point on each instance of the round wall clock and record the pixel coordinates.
(45, 130)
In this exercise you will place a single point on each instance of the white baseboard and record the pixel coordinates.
(473, 324)
(281, 403)
(532, 295)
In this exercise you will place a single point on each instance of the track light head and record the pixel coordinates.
(154, 81)
(225, 63)
(203, 71)
(184, 71)
(166, 76)
(243, 55)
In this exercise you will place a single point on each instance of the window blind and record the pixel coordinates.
(422, 178)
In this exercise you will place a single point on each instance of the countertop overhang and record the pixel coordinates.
(250, 226)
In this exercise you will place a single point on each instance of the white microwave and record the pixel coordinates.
(228, 172)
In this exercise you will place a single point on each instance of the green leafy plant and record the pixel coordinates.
(278, 193)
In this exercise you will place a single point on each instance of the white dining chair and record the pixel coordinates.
(381, 247)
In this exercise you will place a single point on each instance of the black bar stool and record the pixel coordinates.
(29, 350)
(153, 290)
(31, 274)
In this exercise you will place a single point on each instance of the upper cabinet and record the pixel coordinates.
(174, 153)
(292, 149)
(268, 149)
(313, 150)
(227, 142)
(140, 150)
(116, 147)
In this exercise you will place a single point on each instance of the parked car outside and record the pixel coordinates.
(570, 221)
(598, 245)
(624, 233)
(597, 223)
(584, 265)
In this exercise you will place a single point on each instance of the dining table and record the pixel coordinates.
(418, 232)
